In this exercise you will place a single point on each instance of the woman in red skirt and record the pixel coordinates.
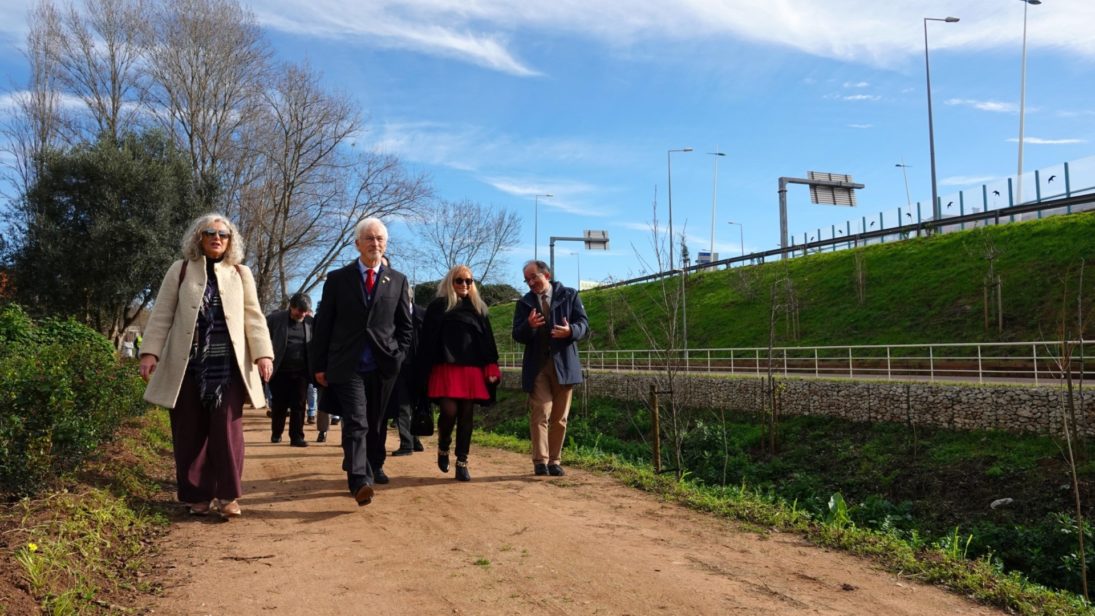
(458, 360)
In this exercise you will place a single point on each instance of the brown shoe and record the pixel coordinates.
(364, 495)
(230, 509)
(202, 508)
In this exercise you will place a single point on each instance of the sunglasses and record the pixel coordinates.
(467, 281)
(217, 232)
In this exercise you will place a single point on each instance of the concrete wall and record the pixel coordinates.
(948, 405)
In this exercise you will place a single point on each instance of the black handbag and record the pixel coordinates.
(422, 419)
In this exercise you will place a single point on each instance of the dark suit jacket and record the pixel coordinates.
(278, 324)
(345, 323)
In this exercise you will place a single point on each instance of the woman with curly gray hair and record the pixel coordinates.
(205, 349)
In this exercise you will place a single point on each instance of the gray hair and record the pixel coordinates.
(192, 239)
(365, 223)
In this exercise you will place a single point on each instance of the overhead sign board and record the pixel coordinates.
(826, 189)
(596, 240)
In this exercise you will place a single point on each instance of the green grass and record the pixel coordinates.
(84, 549)
(924, 290)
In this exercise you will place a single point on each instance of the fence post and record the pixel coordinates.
(980, 371)
(1034, 356)
(889, 377)
(784, 362)
(732, 361)
(655, 429)
(815, 361)
(851, 370)
(758, 362)
(931, 363)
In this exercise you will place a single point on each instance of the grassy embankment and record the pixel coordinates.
(922, 488)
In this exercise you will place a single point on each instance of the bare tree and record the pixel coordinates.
(453, 232)
(97, 54)
(38, 122)
(298, 173)
(207, 64)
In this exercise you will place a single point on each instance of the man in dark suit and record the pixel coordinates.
(362, 331)
(290, 333)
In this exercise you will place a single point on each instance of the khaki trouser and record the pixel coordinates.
(549, 406)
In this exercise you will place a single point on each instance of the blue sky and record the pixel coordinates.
(499, 101)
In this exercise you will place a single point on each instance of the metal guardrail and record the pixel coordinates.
(1037, 362)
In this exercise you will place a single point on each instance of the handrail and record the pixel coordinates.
(1038, 362)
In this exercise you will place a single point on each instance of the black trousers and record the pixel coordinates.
(362, 402)
(289, 390)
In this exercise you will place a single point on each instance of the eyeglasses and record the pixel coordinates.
(467, 281)
(221, 233)
(379, 239)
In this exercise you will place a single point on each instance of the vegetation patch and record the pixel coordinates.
(918, 501)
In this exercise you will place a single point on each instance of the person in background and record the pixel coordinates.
(312, 397)
(404, 393)
(290, 333)
(362, 331)
(206, 351)
(549, 320)
(458, 361)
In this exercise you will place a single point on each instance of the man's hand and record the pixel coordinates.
(561, 331)
(321, 378)
(535, 319)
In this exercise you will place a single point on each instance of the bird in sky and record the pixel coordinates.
(996, 192)
(950, 203)
(872, 223)
(909, 214)
(1051, 178)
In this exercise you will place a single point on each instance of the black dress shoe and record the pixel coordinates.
(321, 437)
(443, 461)
(300, 443)
(380, 477)
(335, 420)
(418, 445)
(462, 471)
(402, 452)
(555, 470)
(540, 469)
(275, 439)
(364, 495)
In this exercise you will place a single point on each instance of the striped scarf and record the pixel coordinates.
(211, 355)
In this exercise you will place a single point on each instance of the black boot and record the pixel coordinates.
(443, 461)
(462, 471)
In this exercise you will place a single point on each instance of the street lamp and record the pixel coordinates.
(741, 235)
(936, 213)
(669, 173)
(908, 198)
(714, 198)
(1022, 102)
(536, 225)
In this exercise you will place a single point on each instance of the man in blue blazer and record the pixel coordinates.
(362, 331)
(549, 320)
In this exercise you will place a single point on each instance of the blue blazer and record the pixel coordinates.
(565, 303)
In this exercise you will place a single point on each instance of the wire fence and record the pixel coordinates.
(1037, 363)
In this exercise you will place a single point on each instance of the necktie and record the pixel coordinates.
(545, 309)
(370, 281)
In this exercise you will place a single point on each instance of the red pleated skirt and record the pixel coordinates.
(458, 382)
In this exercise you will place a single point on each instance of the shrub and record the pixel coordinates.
(62, 394)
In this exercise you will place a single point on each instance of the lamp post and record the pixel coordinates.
(1022, 102)
(908, 197)
(936, 213)
(536, 225)
(714, 197)
(741, 235)
(669, 182)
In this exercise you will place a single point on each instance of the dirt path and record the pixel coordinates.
(505, 543)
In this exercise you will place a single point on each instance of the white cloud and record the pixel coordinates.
(967, 180)
(1040, 141)
(484, 32)
(994, 106)
(856, 84)
(861, 126)
(862, 97)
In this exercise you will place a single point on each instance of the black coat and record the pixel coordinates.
(458, 336)
(278, 324)
(346, 323)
